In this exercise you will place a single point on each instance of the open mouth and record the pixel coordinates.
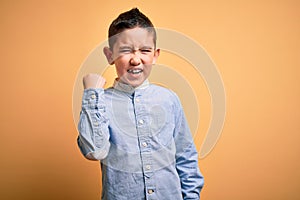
(135, 71)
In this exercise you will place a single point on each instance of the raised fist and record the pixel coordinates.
(93, 81)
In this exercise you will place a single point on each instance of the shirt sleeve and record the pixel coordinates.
(187, 167)
(93, 139)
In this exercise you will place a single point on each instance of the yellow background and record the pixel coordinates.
(255, 44)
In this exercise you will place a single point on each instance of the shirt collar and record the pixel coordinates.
(128, 88)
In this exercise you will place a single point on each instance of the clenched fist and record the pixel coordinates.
(93, 81)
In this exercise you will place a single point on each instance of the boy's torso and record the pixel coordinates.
(141, 159)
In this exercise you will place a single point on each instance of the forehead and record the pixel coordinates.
(135, 37)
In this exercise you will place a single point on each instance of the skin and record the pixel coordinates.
(133, 55)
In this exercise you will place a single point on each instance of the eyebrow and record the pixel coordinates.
(147, 47)
(125, 47)
(128, 47)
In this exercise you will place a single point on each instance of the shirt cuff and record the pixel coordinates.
(93, 98)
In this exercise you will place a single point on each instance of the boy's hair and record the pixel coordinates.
(128, 20)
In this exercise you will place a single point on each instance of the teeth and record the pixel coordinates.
(134, 71)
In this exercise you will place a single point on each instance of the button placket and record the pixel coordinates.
(143, 137)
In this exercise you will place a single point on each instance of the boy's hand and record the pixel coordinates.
(93, 81)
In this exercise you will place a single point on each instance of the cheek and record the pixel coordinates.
(147, 59)
(121, 62)
(120, 70)
(147, 69)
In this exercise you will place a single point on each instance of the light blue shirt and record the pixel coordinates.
(143, 141)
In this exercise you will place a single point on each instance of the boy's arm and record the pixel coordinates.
(186, 158)
(93, 139)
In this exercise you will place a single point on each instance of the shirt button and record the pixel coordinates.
(93, 96)
(141, 121)
(144, 144)
(150, 191)
(96, 124)
(148, 167)
(137, 100)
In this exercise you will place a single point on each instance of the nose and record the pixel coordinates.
(135, 60)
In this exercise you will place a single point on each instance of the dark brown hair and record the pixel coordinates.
(128, 20)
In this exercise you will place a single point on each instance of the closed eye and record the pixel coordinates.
(124, 51)
(145, 51)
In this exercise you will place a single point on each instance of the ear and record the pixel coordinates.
(109, 55)
(156, 54)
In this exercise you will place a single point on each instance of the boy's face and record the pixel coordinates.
(133, 54)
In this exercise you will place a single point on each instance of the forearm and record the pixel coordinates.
(190, 176)
(93, 139)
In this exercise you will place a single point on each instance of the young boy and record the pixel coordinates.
(137, 130)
